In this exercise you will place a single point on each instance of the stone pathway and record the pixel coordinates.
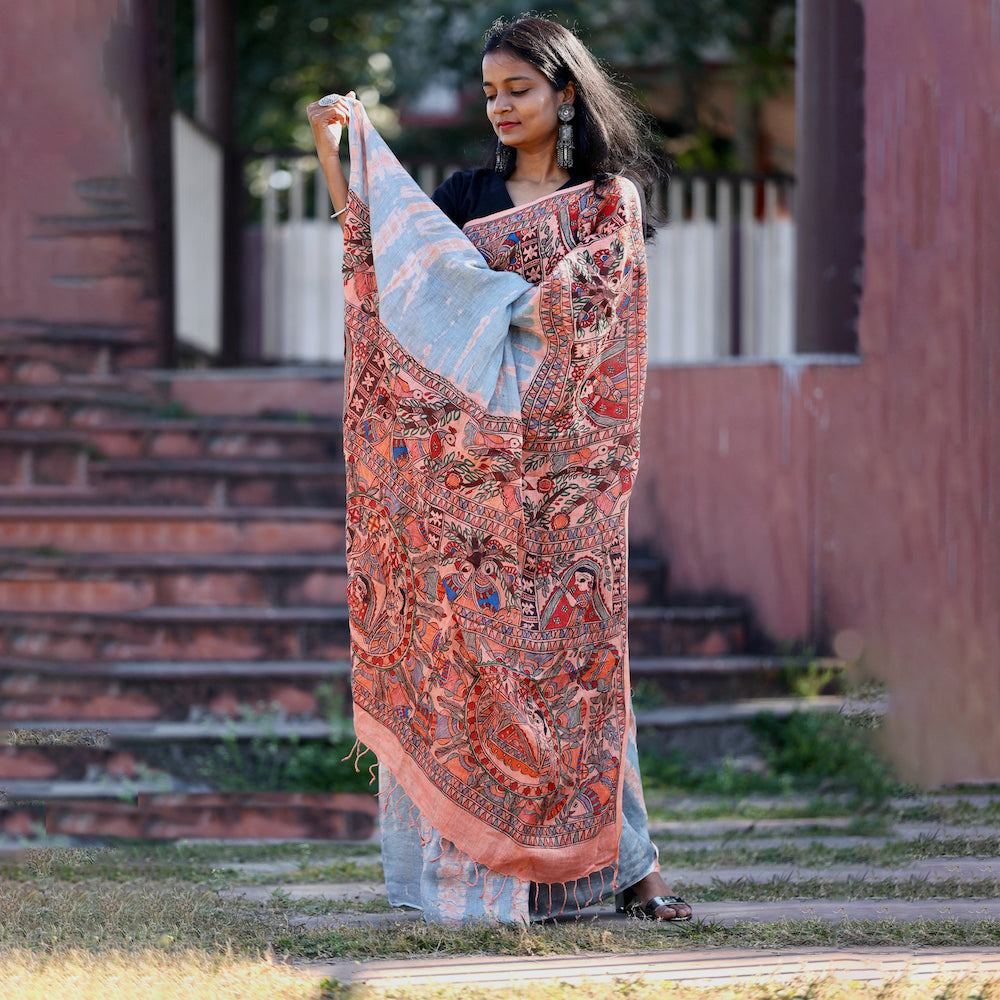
(712, 967)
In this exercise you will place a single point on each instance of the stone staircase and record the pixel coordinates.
(171, 555)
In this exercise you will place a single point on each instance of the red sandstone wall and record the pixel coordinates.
(75, 172)
(868, 496)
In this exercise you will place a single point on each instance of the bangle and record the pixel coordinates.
(341, 212)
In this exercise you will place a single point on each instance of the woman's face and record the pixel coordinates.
(521, 103)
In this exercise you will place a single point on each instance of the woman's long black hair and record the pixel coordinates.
(609, 131)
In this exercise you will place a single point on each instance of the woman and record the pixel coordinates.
(491, 437)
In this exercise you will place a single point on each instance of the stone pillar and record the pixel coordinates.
(830, 151)
(85, 169)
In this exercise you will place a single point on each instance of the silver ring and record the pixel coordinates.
(328, 100)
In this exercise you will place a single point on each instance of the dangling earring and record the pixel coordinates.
(564, 144)
(504, 159)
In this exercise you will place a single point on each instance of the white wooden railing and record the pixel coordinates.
(721, 271)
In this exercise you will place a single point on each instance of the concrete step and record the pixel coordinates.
(264, 815)
(69, 407)
(68, 528)
(30, 459)
(128, 581)
(110, 753)
(220, 482)
(74, 691)
(254, 633)
(32, 581)
(707, 734)
(664, 630)
(289, 391)
(78, 693)
(687, 680)
(69, 348)
(179, 633)
(221, 437)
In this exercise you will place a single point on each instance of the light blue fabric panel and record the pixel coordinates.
(432, 283)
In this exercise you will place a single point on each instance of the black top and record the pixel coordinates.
(474, 194)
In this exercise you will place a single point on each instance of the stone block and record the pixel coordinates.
(36, 372)
(18, 764)
(294, 701)
(174, 444)
(22, 821)
(59, 466)
(223, 590)
(54, 646)
(38, 416)
(114, 443)
(253, 493)
(321, 588)
(15, 465)
(122, 765)
(74, 595)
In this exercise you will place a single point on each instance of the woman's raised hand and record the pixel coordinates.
(328, 116)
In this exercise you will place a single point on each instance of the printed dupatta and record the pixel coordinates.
(493, 385)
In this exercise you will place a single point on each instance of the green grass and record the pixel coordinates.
(779, 888)
(389, 939)
(813, 854)
(804, 752)
(97, 917)
(200, 863)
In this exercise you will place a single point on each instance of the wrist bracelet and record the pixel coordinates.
(341, 212)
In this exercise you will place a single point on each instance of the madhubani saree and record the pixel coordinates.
(493, 384)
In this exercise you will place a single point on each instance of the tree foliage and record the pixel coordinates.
(391, 51)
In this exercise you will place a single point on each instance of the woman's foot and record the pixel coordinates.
(637, 900)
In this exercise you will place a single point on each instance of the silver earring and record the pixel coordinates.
(504, 159)
(564, 144)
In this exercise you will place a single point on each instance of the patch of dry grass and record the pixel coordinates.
(969, 988)
(152, 975)
(193, 975)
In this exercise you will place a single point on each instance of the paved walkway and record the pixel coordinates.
(707, 967)
(711, 967)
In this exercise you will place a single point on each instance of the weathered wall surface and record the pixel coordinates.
(867, 496)
(79, 241)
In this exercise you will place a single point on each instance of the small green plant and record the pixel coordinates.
(269, 761)
(823, 748)
(174, 409)
(673, 772)
(646, 694)
(812, 680)
(144, 778)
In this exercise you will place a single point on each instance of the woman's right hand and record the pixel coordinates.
(328, 121)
